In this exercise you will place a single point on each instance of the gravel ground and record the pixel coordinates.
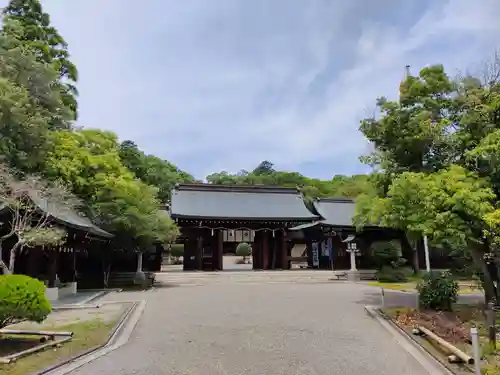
(256, 329)
(106, 313)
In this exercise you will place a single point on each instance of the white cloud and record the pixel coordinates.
(222, 85)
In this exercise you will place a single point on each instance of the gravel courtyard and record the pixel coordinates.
(231, 328)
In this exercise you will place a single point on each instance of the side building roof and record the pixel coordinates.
(68, 217)
(238, 202)
(333, 212)
(336, 212)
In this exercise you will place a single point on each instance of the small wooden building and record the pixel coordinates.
(330, 240)
(211, 215)
(61, 267)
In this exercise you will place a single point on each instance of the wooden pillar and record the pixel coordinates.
(53, 254)
(199, 252)
(220, 250)
(73, 265)
(265, 250)
(257, 251)
(285, 263)
(189, 252)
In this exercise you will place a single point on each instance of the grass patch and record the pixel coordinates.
(411, 286)
(87, 335)
(404, 287)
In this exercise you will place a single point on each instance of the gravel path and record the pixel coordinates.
(256, 329)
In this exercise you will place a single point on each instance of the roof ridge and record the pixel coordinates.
(237, 188)
(336, 200)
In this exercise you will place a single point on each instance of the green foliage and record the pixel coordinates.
(88, 161)
(389, 263)
(243, 249)
(177, 250)
(449, 206)
(48, 46)
(411, 134)
(387, 254)
(31, 104)
(390, 274)
(22, 298)
(438, 291)
(152, 170)
(265, 174)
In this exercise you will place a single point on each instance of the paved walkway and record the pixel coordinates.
(230, 327)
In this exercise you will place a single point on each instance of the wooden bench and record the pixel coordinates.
(337, 275)
(127, 279)
(363, 274)
(367, 274)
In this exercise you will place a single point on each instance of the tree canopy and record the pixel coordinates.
(266, 174)
(48, 46)
(436, 150)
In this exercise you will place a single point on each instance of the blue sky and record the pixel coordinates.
(217, 85)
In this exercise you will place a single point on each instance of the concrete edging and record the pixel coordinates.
(117, 338)
(426, 360)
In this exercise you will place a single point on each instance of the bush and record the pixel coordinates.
(438, 291)
(243, 249)
(389, 274)
(177, 250)
(387, 254)
(22, 298)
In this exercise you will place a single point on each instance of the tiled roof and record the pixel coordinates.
(244, 202)
(335, 211)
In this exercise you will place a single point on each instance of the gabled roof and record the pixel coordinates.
(68, 217)
(63, 215)
(333, 212)
(337, 212)
(238, 202)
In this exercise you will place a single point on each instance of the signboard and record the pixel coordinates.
(324, 248)
(330, 249)
(315, 254)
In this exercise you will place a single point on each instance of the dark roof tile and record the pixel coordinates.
(336, 211)
(244, 202)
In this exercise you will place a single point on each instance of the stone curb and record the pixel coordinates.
(427, 361)
(117, 338)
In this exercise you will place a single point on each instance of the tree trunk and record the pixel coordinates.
(3, 266)
(5, 269)
(412, 250)
(13, 253)
(490, 291)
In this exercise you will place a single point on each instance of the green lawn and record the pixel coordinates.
(86, 335)
(466, 287)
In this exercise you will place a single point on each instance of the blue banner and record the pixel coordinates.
(330, 249)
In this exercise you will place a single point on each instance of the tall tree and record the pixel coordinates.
(89, 162)
(29, 102)
(412, 134)
(47, 44)
(453, 207)
(152, 170)
(264, 167)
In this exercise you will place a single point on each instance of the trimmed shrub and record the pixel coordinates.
(177, 250)
(389, 263)
(22, 298)
(438, 291)
(389, 274)
(243, 249)
(387, 254)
